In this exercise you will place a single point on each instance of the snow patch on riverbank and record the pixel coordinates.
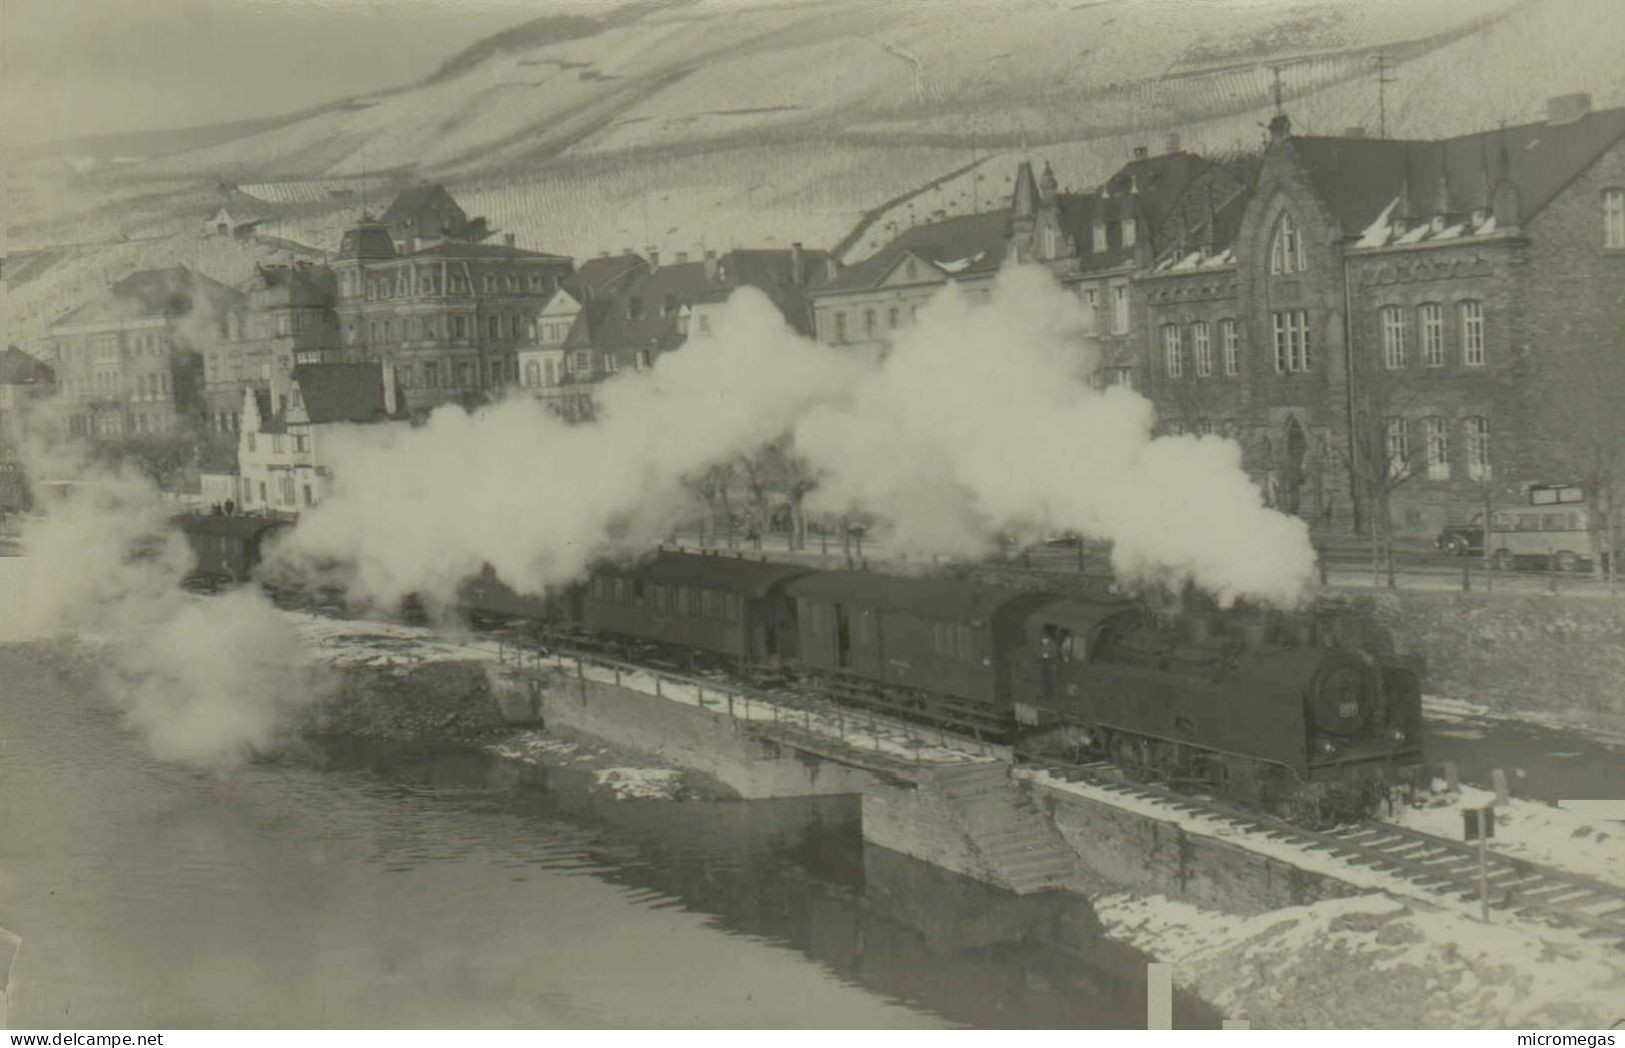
(613, 770)
(1529, 830)
(1373, 961)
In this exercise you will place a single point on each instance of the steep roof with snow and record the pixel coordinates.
(153, 293)
(19, 369)
(1360, 177)
(958, 246)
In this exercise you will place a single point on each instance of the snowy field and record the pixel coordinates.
(1374, 961)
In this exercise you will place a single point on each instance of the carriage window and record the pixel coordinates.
(694, 600)
(637, 591)
(1055, 642)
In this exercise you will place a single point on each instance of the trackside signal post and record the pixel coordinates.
(1479, 824)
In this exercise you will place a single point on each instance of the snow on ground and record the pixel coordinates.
(1530, 830)
(610, 772)
(641, 783)
(1438, 709)
(1373, 961)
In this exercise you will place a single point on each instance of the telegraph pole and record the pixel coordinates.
(1275, 89)
(1383, 80)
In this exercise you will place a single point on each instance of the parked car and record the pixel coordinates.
(1463, 540)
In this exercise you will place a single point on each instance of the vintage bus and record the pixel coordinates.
(1553, 531)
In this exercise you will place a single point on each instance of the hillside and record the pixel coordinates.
(708, 123)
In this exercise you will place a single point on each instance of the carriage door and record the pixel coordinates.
(843, 638)
(1049, 649)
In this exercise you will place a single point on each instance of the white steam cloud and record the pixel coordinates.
(978, 422)
(419, 510)
(206, 681)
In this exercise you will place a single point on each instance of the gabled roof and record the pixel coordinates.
(978, 241)
(366, 239)
(1359, 177)
(659, 296)
(154, 293)
(1024, 201)
(19, 369)
(411, 201)
(605, 276)
(344, 393)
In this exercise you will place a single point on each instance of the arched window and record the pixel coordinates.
(1173, 350)
(1202, 349)
(1472, 333)
(1437, 437)
(1399, 448)
(1393, 337)
(1613, 218)
(1286, 249)
(1478, 447)
(1431, 318)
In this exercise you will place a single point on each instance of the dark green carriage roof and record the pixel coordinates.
(748, 577)
(961, 600)
(231, 527)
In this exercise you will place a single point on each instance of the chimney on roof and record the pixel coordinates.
(1173, 142)
(795, 262)
(1566, 109)
(1354, 132)
(389, 388)
(1141, 152)
(1280, 128)
(654, 260)
(832, 267)
(507, 238)
(710, 255)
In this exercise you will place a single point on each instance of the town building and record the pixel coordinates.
(286, 437)
(130, 360)
(427, 214)
(24, 383)
(291, 319)
(1383, 327)
(863, 303)
(450, 317)
(621, 313)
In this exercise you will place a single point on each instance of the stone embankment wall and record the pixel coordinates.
(1152, 857)
(688, 737)
(1516, 652)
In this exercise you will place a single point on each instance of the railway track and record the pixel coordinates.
(1445, 868)
(1436, 865)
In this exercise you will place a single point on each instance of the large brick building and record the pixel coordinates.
(1384, 325)
(450, 317)
(131, 360)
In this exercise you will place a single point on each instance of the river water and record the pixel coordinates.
(383, 887)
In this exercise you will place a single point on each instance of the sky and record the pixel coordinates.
(77, 67)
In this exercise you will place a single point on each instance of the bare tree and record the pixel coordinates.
(1583, 432)
(714, 488)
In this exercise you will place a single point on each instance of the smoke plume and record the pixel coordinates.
(205, 680)
(978, 422)
(420, 509)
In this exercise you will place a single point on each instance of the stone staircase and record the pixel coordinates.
(1021, 847)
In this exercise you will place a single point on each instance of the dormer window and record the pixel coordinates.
(1286, 249)
(1128, 232)
(1099, 240)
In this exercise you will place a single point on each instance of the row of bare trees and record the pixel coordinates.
(754, 487)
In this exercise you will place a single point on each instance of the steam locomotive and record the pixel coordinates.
(1293, 712)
